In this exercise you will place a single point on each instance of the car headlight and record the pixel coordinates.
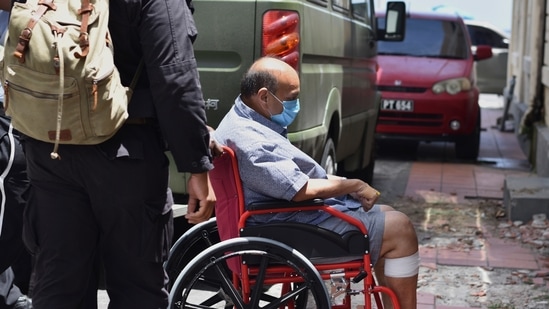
(452, 86)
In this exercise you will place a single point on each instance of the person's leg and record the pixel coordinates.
(136, 222)
(22, 268)
(392, 236)
(60, 230)
(13, 199)
(398, 265)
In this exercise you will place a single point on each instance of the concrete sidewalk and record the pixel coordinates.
(449, 181)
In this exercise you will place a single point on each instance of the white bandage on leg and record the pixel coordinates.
(402, 267)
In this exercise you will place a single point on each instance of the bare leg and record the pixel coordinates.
(399, 240)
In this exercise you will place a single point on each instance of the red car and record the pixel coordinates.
(428, 84)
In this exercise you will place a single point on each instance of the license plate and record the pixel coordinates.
(397, 105)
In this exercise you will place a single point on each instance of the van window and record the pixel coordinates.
(361, 10)
(341, 4)
(320, 2)
(428, 38)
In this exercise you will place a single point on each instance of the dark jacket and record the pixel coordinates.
(14, 188)
(169, 88)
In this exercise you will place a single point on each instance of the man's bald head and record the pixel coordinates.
(273, 65)
(267, 72)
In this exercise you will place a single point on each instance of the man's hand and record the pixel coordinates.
(215, 147)
(367, 196)
(201, 198)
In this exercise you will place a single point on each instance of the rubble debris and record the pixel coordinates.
(534, 233)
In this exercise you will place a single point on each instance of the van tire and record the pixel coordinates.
(467, 147)
(368, 171)
(365, 174)
(328, 161)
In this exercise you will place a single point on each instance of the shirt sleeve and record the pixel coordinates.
(167, 31)
(270, 171)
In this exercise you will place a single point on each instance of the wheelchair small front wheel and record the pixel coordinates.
(301, 285)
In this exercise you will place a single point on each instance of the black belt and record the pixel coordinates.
(140, 121)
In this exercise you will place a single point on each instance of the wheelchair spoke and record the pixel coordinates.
(226, 285)
(192, 291)
(286, 298)
(256, 295)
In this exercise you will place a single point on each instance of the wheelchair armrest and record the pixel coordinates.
(277, 204)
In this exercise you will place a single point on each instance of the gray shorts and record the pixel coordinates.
(374, 220)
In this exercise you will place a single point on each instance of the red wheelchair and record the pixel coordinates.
(225, 263)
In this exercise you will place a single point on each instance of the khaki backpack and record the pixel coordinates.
(60, 82)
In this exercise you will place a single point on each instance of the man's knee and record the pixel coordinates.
(399, 224)
(400, 238)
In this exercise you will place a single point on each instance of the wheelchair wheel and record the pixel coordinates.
(190, 244)
(192, 289)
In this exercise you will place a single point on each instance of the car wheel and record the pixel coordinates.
(328, 161)
(467, 147)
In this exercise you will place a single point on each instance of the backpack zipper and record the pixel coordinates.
(36, 94)
(96, 82)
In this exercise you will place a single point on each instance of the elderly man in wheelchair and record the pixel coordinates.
(337, 239)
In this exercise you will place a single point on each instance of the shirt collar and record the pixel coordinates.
(248, 112)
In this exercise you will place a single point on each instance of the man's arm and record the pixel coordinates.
(332, 187)
(177, 95)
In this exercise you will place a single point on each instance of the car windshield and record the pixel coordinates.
(428, 38)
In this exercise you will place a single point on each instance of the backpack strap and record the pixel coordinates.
(85, 11)
(26, 33)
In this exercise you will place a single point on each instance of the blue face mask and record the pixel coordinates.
(289, 112)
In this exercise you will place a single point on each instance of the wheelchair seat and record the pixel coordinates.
(317, 244)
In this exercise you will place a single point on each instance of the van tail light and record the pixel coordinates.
(280, 36)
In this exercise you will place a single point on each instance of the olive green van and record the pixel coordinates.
(331, 43)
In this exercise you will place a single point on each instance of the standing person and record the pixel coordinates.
(15, 263)
(109, 202)
(255, 128)
(13, 188)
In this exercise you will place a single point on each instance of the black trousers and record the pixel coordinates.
(105, 203)
(15, 263)
(15, 260)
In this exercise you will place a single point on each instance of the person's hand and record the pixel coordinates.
(215, 147)
(367, 196)
(201, 198)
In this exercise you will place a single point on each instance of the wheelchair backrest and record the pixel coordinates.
(225, 180)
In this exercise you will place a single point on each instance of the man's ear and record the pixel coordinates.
(263, 94)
